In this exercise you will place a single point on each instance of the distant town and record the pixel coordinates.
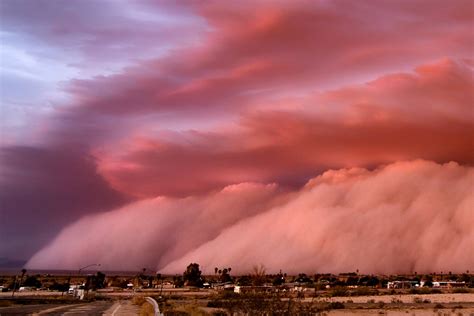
(223, 293)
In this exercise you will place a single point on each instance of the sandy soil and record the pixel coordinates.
(406, 298)
(405, 312)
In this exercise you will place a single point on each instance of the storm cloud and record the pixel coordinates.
(404, 217)
(174, 125)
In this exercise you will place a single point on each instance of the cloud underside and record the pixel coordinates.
(424, 114)
(404, 217)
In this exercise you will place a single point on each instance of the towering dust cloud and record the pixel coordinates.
(404, 217)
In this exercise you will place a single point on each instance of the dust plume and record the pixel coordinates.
(403, 217)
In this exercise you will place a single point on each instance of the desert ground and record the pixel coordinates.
(131, 295)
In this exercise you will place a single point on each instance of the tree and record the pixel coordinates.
(178, 281)
(352, 280)
(279, 279)
(373, 281)
(244, 280)
(61, 287)
(192, 275)
(23, 271)
(32, 281)
(303, 278)
(95, 282)
(159, 278)
(259, 275)
(100, 280)
(428, 280)
(225, 276)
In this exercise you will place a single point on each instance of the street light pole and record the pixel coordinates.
(88, 266)
(85, 267)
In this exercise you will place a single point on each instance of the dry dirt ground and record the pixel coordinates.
(196, 303)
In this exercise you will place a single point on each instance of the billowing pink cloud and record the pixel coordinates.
(263, 50)
(425, 114)
(397, 218)
(154, 231)
(406, 217)
(186, 99)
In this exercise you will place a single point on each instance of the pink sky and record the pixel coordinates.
(108, 106)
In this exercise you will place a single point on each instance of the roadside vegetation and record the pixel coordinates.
(256, 293)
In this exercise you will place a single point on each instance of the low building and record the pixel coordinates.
(253, 289)
(402, 284)
(448, 284)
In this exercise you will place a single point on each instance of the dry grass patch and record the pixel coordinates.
(147, 309)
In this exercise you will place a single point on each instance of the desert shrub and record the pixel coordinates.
(363, 291)
(138, 300)
(5, 303)
(427, 290)
(194, 311)
(438, 306)
(319, 286)
(460, 290)
(216, 303)
(59, 287)
(147, 310)
(336, 305)
(32, 281)
(264, 304)
(424, 290)
(176, 313)
(229, 295)
(339, 291)
(417, 300)
(414, 291)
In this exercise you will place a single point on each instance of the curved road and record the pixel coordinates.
(94, 308)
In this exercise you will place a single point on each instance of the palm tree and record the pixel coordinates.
(23, 271)
(258, 275)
